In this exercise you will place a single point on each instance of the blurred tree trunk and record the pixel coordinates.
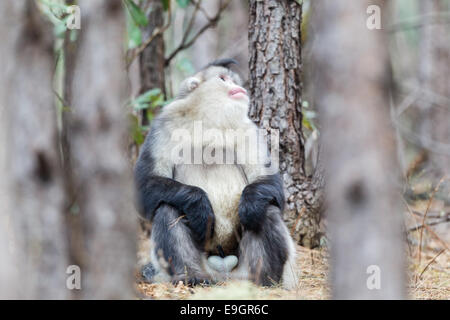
(105, 225)
(9, 288)
(33, 178)
(8, 267)
(434, 76)
(276, 89)
(351, 82)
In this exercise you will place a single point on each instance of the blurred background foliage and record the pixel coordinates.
(227, 37)
(196, 32)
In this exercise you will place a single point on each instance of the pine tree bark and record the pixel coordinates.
(152, 58)
(32, 180)
(276, 89)
(106, 220)
(351, 90)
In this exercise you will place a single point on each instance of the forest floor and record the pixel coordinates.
(428, 280)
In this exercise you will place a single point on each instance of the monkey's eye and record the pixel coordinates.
(222, 77)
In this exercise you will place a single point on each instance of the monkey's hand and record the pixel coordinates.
(199, 213)
(255, 199)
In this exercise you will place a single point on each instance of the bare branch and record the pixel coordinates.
(425, 215)
(212, 22)
(431, 261)
(429, 224)
(146, 43)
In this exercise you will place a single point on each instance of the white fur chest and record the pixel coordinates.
(224, 185)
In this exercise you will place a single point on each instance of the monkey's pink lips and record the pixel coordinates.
(238, 93)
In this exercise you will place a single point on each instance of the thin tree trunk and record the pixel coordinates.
(351, 82)
(33, 174)
(101, 172)
(152, 58)
(276, 88)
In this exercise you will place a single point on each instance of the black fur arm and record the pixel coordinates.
(256, 197)
(153, 190)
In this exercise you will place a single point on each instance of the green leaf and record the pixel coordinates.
(73, 35)
(60, 30)
(307, 119)
(306, 123)
(150, 116)
(151, 98)
(135, 38)
(165, 4)
(183, 3)
(185, 66)
(136, 13)
(134, 34)
(136, 130)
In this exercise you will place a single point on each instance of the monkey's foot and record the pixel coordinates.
(148, 272)
(223, 264)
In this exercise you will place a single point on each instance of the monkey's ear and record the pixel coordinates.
(187, 86)
(192, 83)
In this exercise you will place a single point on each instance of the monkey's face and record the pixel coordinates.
(223, 84)
(234, 91)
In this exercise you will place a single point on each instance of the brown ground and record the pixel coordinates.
(434, 283)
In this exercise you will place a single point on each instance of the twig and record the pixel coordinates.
(428, 224)
(425, 215)
(188, 29)
(211, 22)
(431, 261)
(436, 237)
(302, 211)
(202, 10)
(424, 141)
(156, 33)
(427, 94)
(433, 214)
(410, 210)
(414, 218)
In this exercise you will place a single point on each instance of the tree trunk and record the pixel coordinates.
(33, 176)
(101, 172)
(351, 82)
(152, 58)
(276, 88)
(8, 267)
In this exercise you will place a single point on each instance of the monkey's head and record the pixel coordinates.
(216, 82)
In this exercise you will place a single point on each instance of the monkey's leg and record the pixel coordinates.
(267, 257)
(175, 254)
